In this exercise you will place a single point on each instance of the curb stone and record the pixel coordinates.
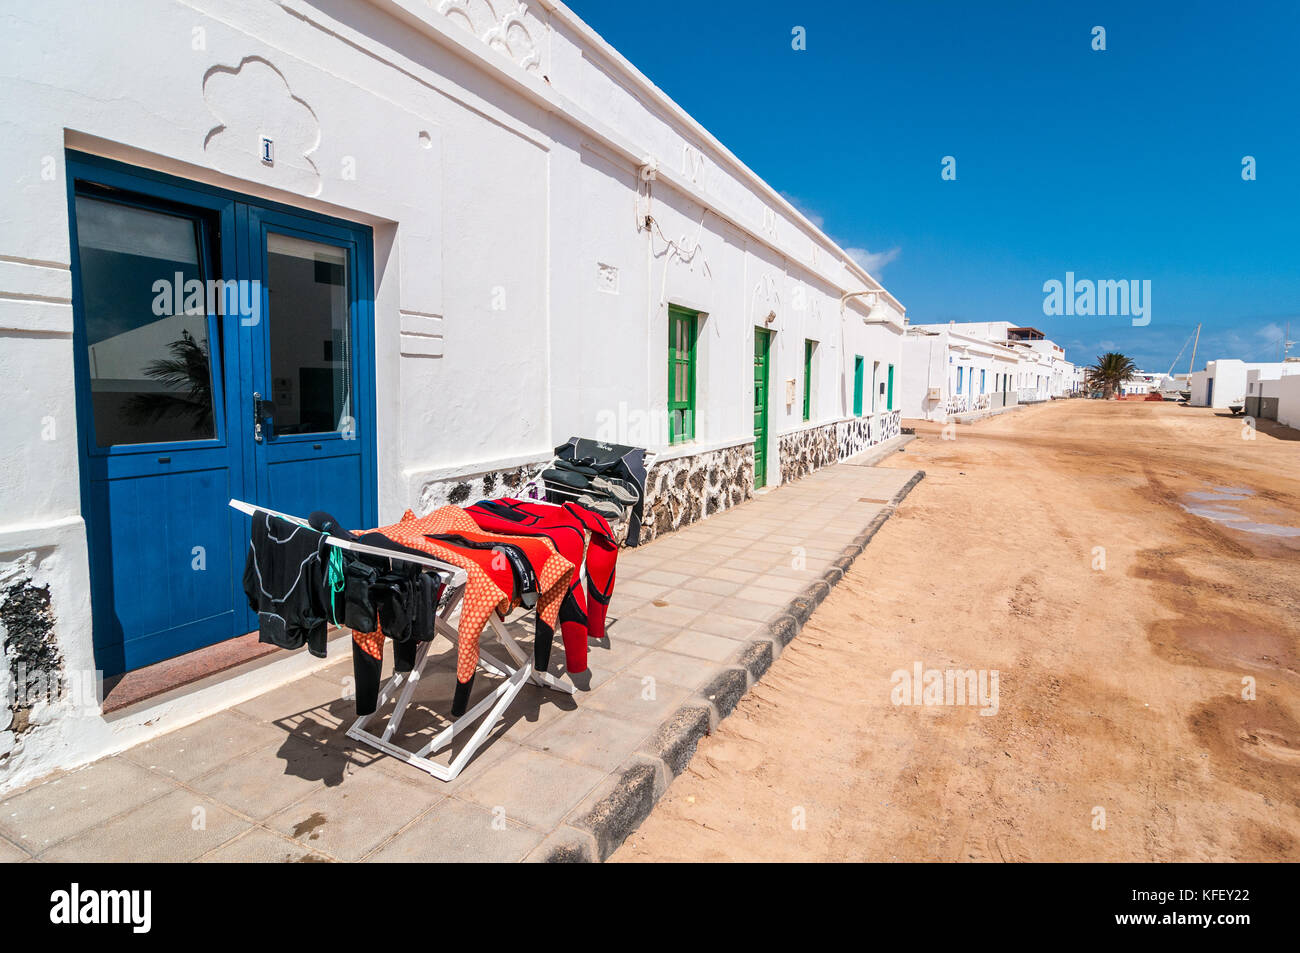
(674, 742)
(626, 800)
(726, 689)
(564, 845)
(621, 804)
(757, 658)
(783, 629)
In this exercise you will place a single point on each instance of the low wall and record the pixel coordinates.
(687, 489)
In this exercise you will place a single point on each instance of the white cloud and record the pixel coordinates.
(873, 261)
(1271, 333)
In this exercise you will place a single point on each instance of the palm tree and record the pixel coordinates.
(1111, 370)
(188, 378)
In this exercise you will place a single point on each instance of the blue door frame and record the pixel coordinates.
(166, 553)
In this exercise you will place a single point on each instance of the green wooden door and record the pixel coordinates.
(889, 400)
(762, 352)
(857, 386)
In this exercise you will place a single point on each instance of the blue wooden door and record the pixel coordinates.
(173, 338)
(314, 414)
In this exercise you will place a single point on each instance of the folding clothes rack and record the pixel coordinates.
(491, 708)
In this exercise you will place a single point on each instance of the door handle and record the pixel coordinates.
(261, 411)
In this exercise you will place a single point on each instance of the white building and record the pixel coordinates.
(450, 237)
(1288, 401)
(1264, 388)
(1041, 371)
(1141, 383)
(948, 372)
(1224, 382)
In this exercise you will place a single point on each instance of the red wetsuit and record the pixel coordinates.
(566, 527)
(490, 588)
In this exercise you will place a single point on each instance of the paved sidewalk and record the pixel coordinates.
(698, 616)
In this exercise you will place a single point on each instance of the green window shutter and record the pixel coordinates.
(682, 326)
(807, 378)
(857, 386)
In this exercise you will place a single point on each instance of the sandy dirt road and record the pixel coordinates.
(1120, 689)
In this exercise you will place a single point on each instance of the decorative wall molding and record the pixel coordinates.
(253, 99)
(501, 24)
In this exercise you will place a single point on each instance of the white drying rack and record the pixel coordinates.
(491, 708)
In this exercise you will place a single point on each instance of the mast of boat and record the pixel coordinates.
(1191, 368)
(1174, 362)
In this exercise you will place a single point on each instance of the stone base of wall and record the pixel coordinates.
(856, 434)
(687, 489)
(467, 490)
(804, 451)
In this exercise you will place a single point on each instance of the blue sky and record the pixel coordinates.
(1119, 164)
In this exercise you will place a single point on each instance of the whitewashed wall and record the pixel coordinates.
(1288, 401)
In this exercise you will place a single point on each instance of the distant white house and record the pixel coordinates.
(1141, 383)
(1288, 400)
(1264, 388)
(1224, 382)
(947, 372)
(1016, 362)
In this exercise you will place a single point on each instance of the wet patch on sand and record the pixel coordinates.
(1220, 504)
(1257, 740)
(1227, 641)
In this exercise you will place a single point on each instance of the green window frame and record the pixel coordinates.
(682, 328)
(857, 385)
(808, 347)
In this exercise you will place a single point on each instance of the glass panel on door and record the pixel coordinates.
(144, 301)
(310, 335)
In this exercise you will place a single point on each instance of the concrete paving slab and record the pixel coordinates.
(643, 632)
(313, 697)
(670, 668)
(349, 821)
(743, 608)
(202, 746)
(613, 655)
(259, 846)
(590, 737)
(11, 853)
(456, 831)
(629, 696)
(761, 596)
(77, 801)
(177, 827)
(721, 587)
(532, 787)
(691, 599)
(662, 613)
(715, 648)
(271, 778)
